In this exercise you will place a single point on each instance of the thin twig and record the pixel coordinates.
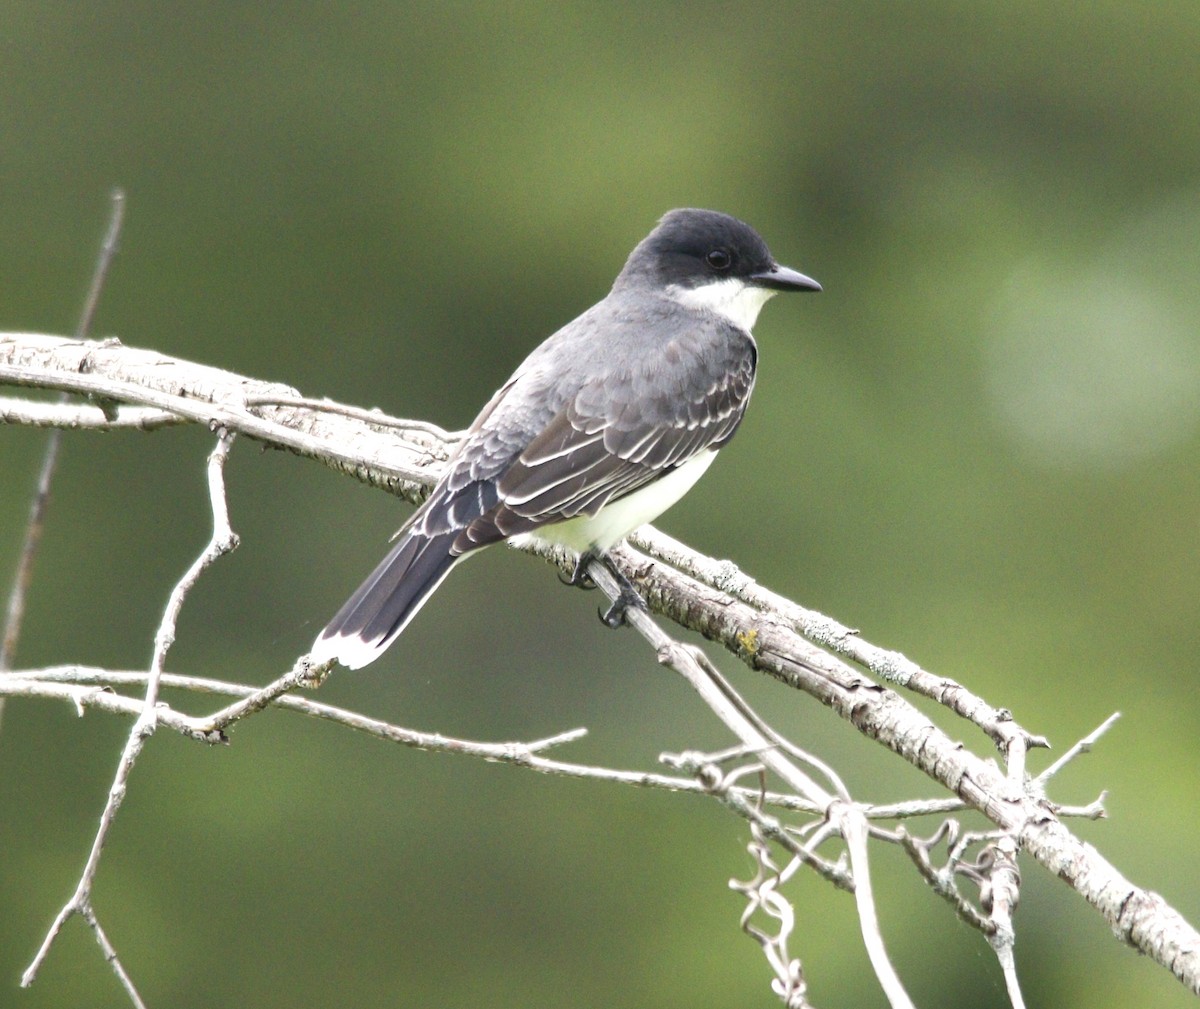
(854, 832)
(108, 250)
(84, 698)
(302, 674)
(375, 417)
(84, 416)
(1003, 888)
(222, 541)
(1083, 746)
(15, 610)
(941, 881)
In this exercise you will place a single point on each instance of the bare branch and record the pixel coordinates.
(83, 416)
(400, 459)
(764, 742)
(759, 628)
(108, 249)
(1083, 746)
(891, 666)
(221, 542)
(15, 611)
(999, 897)
(374, 417)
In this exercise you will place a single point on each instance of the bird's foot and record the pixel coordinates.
(579, 578)
(628, 597)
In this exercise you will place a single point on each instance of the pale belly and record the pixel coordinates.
(619, 518)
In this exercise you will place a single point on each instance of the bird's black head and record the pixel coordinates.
(694, 248)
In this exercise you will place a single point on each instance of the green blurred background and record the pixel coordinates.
(979, 446)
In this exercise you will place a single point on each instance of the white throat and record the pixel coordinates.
(732, 299)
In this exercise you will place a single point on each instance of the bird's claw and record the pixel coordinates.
(614, 616)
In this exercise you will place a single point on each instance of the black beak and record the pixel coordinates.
(783, 278)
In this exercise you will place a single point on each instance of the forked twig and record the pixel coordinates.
(223, 540)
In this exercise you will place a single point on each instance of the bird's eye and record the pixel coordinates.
(719, 259)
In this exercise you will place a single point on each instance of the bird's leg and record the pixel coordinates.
(614, 616)
(628, 596)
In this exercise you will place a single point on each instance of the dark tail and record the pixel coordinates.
(375, 615)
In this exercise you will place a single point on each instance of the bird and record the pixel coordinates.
(604, 426)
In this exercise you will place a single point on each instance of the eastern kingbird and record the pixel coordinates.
(602, 428)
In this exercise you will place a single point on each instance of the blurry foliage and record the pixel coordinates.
(979, 445)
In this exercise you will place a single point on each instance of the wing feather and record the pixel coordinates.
(541, 452)
(575, 467)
